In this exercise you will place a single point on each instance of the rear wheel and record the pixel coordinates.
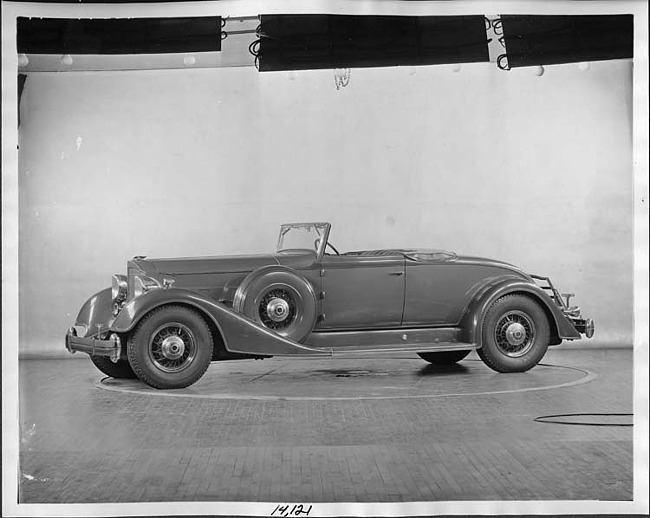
(515, 334)
(170, 348)
(121, 369)
(444, 357)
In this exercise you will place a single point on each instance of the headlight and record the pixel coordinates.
(119, 288)
(142, 284)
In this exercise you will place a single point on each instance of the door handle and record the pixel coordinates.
(396, 273)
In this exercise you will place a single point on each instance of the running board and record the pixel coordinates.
(401, 348)
(388, 340)
(248, 337)
(380, 339)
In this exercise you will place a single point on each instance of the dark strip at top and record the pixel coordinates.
(313, 41)
(119, 35)
(547, 40)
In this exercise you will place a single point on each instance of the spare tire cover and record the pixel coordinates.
(280, 300)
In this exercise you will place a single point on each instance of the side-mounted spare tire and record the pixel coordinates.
(279, 299)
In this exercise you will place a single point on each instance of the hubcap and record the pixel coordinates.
(173, 347)
(277, 309)
(514, 333)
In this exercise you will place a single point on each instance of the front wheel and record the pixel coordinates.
(515, 334)
(171, 347)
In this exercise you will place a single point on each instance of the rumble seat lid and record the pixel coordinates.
(419, 255)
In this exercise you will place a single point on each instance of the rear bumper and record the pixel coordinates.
(584, 326)
(111, 347)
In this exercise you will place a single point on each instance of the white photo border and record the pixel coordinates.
(10, 404)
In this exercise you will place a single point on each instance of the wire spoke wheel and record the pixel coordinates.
(278, 299)
(172, 347)
(514, 333)
(278, 308)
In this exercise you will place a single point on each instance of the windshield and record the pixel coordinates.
(301, 236)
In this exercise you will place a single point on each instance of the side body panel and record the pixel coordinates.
(362, 292)
(220, 287)
(437, 293)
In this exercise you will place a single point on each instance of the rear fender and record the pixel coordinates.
(240, 334)
(474, 314)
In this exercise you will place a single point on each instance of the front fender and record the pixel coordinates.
(95, 316)
(474, 314)
(240, 334)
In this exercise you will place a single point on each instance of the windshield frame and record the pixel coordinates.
(322, 228)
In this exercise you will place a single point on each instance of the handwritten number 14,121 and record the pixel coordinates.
(289, 510)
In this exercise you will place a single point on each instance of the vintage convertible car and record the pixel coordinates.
(167, 319)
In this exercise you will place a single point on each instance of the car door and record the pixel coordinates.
(361, 292)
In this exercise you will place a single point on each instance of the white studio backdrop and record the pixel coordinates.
(533, 170)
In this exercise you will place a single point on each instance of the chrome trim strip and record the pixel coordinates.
(414, 348)
(382, 338)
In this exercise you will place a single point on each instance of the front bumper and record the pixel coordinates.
(94, 346)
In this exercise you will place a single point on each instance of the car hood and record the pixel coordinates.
(221, 264)
(199, 265)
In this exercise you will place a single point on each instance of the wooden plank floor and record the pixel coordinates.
(81, 443)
